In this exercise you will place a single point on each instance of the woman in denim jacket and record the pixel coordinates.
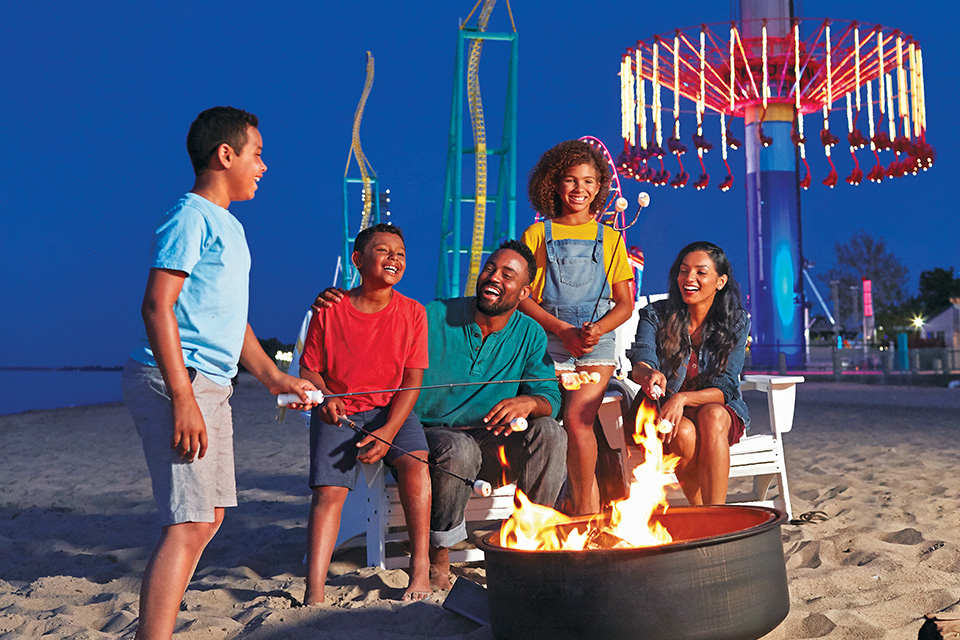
(703, 317)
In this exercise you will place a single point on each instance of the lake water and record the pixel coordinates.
(30, 390)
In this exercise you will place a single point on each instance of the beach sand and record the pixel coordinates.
(77, 523)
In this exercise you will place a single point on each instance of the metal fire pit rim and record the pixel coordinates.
(777, 519)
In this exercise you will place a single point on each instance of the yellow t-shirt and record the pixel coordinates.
(617, 271)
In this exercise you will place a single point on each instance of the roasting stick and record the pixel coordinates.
(568, 380)
(479, 487)
(665, 425)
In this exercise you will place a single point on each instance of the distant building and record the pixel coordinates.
(946, 325)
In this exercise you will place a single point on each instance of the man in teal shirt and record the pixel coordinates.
(484, 339)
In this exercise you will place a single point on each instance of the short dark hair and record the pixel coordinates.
(524, 251)
(214, 127)
(366, 235)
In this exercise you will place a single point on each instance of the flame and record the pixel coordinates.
(534, 527)
(504, 464)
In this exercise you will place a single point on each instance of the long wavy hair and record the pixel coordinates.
(718, 336)
(546, 174)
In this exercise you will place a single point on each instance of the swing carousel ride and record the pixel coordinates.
(777, 72)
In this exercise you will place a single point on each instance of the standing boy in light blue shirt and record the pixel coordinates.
(177, 383)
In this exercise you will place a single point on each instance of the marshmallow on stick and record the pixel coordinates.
(571, 380)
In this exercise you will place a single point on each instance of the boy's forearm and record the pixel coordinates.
(255, 360)
(404, 401)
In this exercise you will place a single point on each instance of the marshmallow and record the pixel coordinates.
(482, 488)
(518, 424)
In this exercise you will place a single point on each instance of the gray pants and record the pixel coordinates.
(537, 461)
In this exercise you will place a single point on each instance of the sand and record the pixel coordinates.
(77, 523)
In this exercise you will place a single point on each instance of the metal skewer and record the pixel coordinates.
(479, 487)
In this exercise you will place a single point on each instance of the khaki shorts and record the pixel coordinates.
(184, 491)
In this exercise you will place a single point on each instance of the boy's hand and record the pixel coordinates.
(331, 410)
(189, 430)
(284, 383)
(327, 298)
(371, 450)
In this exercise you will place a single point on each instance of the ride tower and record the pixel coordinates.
(762, 68)
(456, 203)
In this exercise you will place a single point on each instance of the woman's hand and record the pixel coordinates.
(672, 411)
(648, 378)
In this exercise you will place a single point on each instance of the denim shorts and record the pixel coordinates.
(604, 353)
(333, 448)
(184, 491)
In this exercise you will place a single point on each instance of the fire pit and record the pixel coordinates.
(722, 577)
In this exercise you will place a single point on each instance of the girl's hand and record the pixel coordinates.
(590, 334)
(573, 341)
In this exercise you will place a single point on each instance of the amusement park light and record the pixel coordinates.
(876, 71)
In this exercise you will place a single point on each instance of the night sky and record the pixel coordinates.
(97, 98)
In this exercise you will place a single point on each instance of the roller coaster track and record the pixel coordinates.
(357, 150)
(480, 144)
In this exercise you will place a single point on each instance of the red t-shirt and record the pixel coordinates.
(356, 351)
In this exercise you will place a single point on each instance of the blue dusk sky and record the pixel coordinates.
(98, 96)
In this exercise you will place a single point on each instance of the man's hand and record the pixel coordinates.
(499, 417)
(189, 429)
(327, 298)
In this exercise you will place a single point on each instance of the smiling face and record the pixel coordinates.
(246, 168)
(383, 260)
(577, 188)
(503, 283)
(698, 279)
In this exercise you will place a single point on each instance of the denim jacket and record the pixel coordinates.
(644, 349)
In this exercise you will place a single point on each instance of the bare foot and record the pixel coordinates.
(419, 587)
(309, 599)
(440, 568)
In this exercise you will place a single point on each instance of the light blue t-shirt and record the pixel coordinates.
(207, 242)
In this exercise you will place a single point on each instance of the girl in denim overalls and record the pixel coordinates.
(580, 262)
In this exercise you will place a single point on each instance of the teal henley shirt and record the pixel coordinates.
(458, 353)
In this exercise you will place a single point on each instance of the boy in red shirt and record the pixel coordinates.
(377, 341)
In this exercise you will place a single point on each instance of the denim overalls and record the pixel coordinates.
(575, 277)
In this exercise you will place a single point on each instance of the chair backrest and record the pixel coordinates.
(626, 332)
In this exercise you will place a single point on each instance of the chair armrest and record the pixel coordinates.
(781, 397)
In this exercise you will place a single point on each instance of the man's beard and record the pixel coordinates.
(500, 307)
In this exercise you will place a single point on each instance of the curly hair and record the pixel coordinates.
(719, 338)
(545, 176)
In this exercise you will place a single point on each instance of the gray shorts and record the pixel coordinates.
(184, 491)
